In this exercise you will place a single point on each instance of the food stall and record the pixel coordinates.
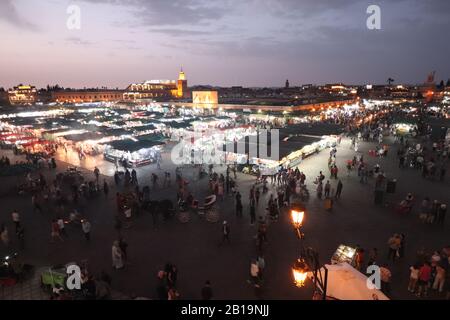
(403, 129)
(37, 146)
(304, 147)
(346, 283)
(133, 152)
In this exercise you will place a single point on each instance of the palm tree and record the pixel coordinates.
(390, 80)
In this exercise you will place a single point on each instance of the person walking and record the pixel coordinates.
(207, 293)
(319, 190)
(86, 226)
(155, 181)
(359, 259)
(424, 279)
(394, 244)
(424, 210)
(373, 257)
(105, 188)
(36, 203)
(439, 279)
(413, 278)
(432, 217)
(97, 174)
(161, 286)
(261, 266)
(334, 172)
(16, 219)
(385, 275)
(61, 226)
(172, 276)
(158, 163)
(252, 212)
(225, 232)
(168, 178)
(127, 213)
(4, 235)
(327, 189)
(238, 205)
(55, 231)
(116, 178)
(117, 256)
(349, 168)
(441, 214)
(339, 189)
(254, 273)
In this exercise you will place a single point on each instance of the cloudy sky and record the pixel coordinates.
(226, 42)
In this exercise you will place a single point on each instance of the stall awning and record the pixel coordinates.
(132, 146)
(115, 132)
(152, 137)
(347, 283)
(285, 147)
(144, 127)
(312, 129)
(84, 136)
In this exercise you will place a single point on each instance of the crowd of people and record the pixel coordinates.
(64, 202)
(432, 162)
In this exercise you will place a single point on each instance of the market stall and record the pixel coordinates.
(289, 152)
(133, 152)
(38, 146)
(404, 129)
(346, 283)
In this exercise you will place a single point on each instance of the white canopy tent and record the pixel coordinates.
(347, 283)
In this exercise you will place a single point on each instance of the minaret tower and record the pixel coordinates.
(181, 84)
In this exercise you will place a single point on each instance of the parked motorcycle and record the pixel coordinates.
(12, 270)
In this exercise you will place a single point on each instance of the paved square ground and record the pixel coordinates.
(194, 246)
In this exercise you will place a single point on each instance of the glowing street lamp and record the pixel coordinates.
(300, 272)
(308, 264)
(297, 218)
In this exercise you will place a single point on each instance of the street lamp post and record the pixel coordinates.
(308, 263)
(297, 216)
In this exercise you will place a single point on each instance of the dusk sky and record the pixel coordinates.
(227, 42)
